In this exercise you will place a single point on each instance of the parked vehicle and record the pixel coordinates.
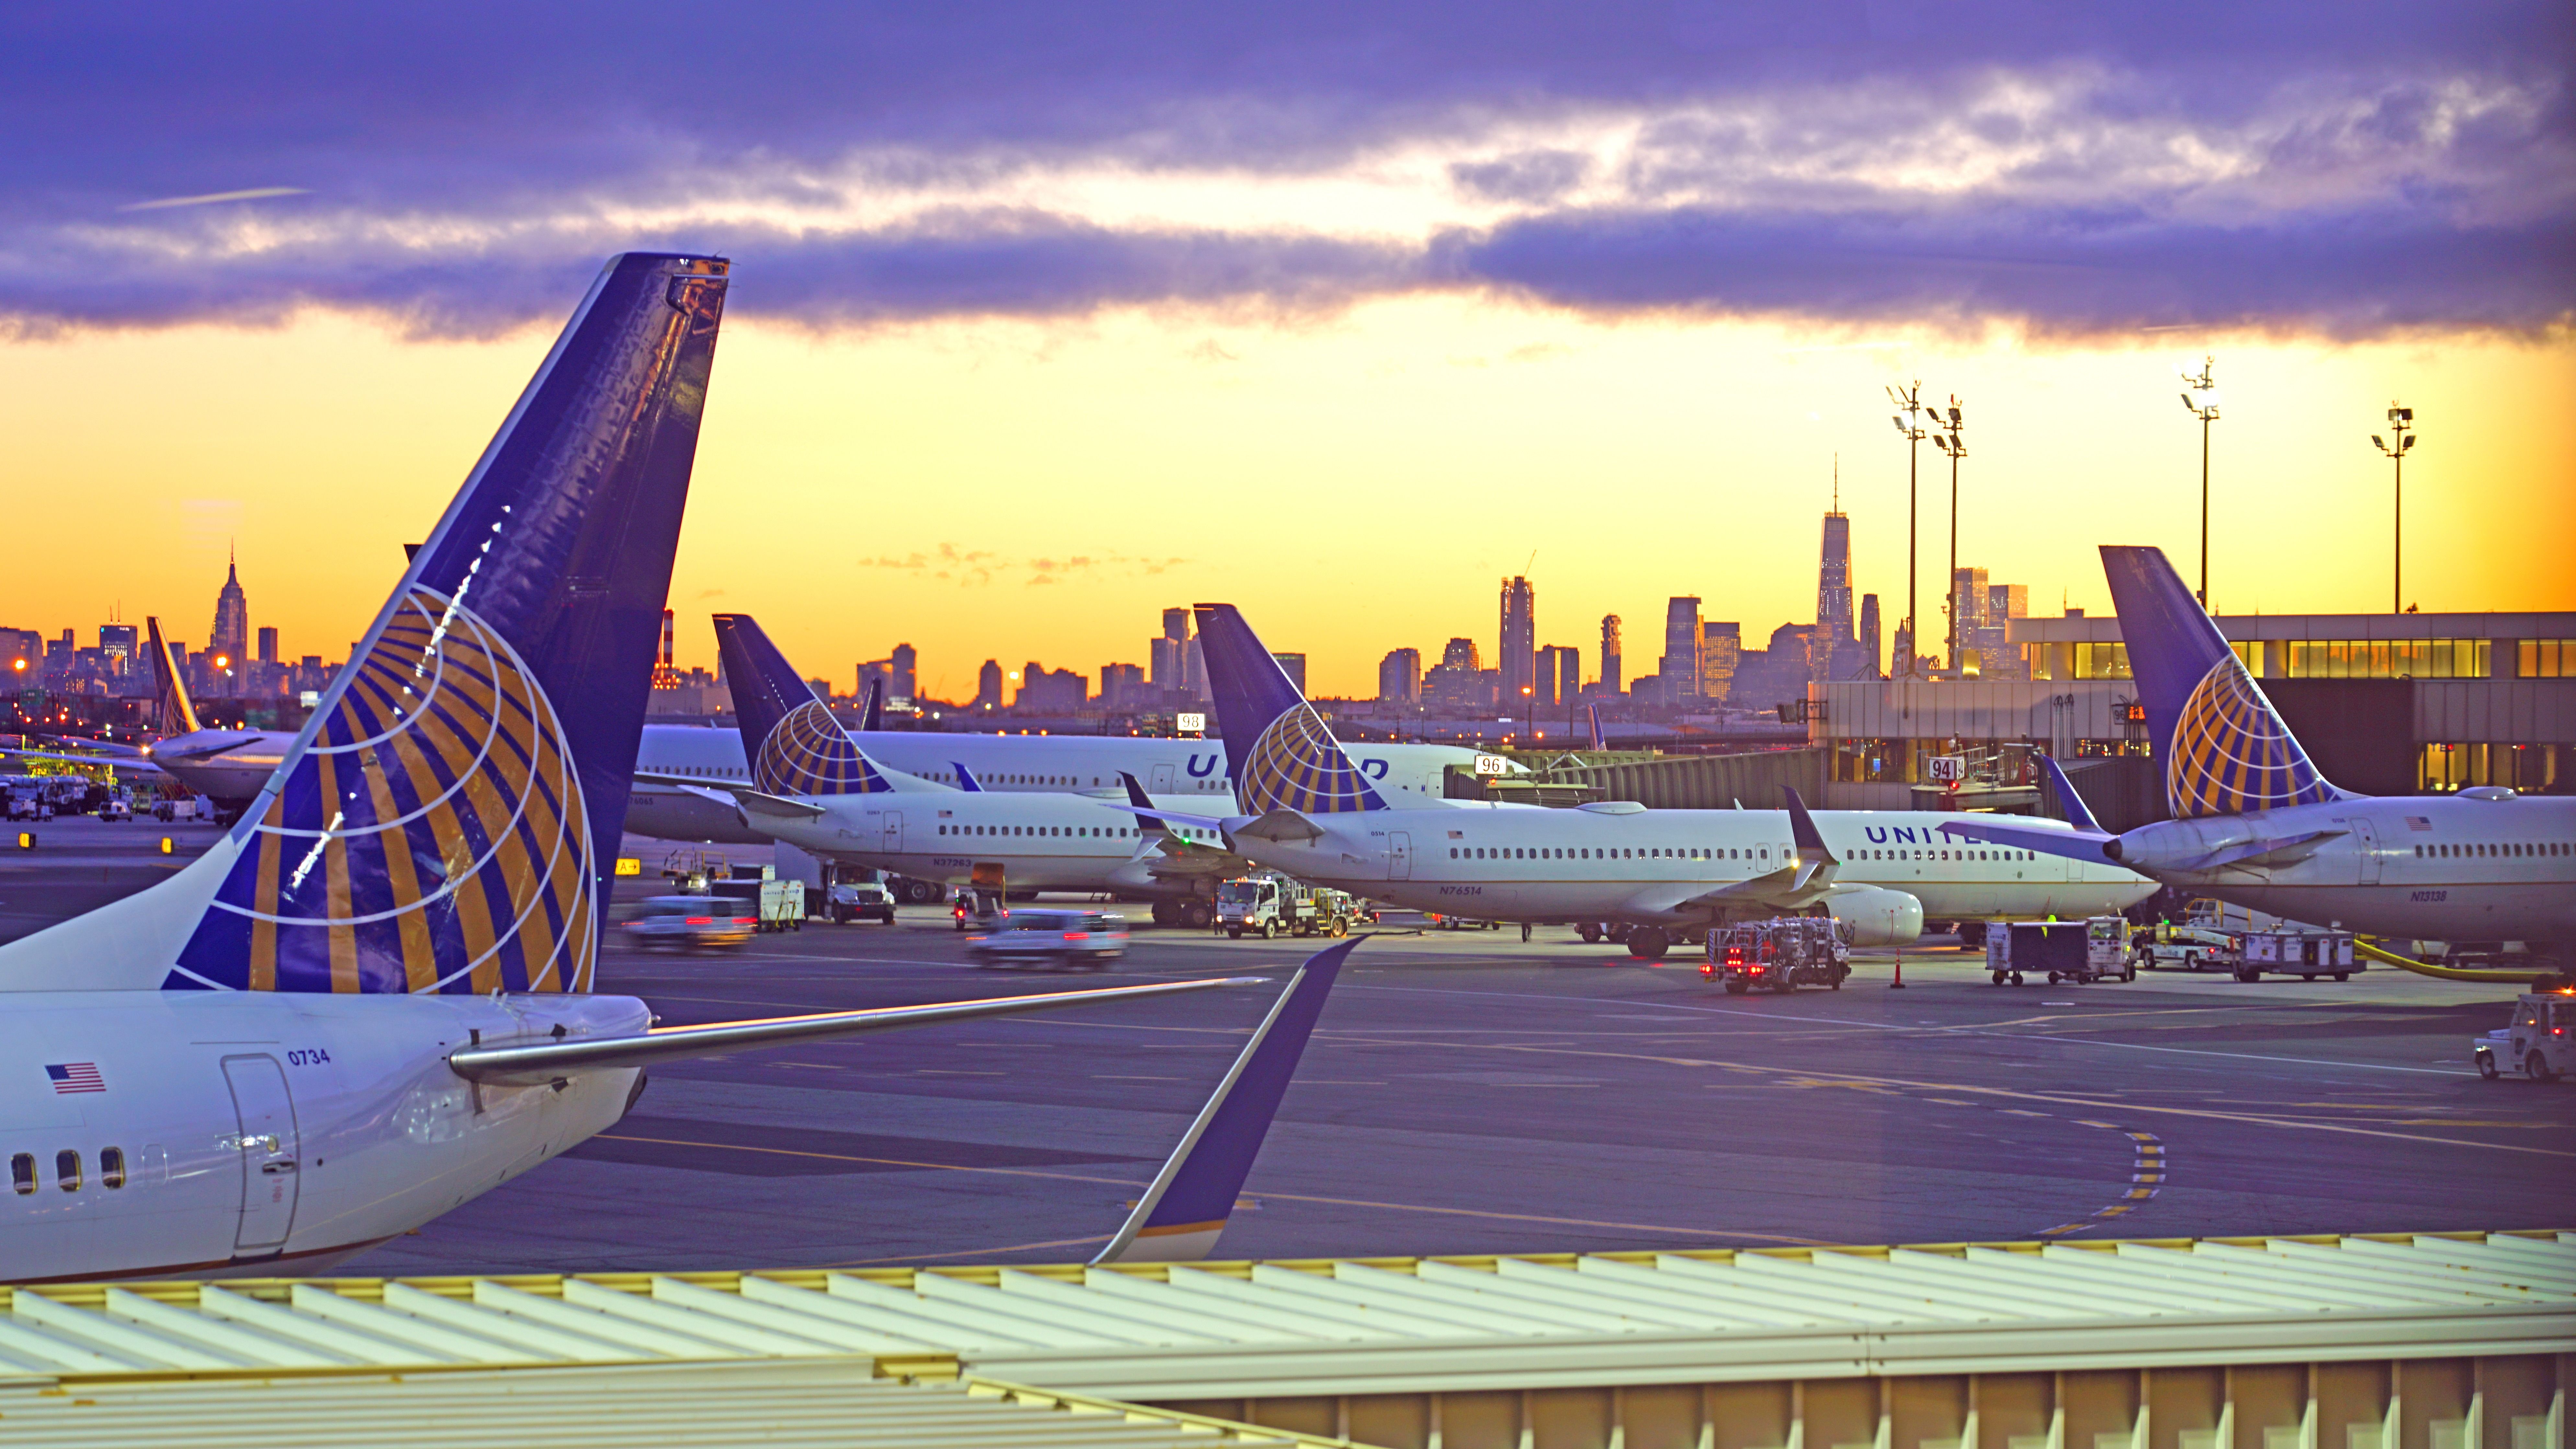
(776, 905)
(689, 923)
(1271, 904)
(117, 806)
(2296, 951)
(1059, 940)
(2538, 1042)
(1782, 954)
(2062, 949)
(859, 901)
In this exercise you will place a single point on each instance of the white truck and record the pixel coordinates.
(2538, 1043)
(1271, 904)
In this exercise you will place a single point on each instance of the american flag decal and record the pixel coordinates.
(70, 1077)
(2419, 822)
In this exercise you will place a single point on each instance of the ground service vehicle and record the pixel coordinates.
(2538, 1042)
(976, 908)
(2106, 948)
(116, 807)
(2294, 952)
(776, 905)
(860, 901)
(1269, 905)
(2063, 949)
(687, 923)
(1060, 940)
(2206, 936)
(1782, 954)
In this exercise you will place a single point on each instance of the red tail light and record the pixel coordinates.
(701, 920)
(1077, 936)
(746, 920)
(1708, 968)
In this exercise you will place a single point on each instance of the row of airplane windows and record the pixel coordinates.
(2521, 848)
(949, 777)
(67, 1170)
(1097, 832)
(1763, 853)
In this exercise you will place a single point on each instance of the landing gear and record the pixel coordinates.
(1648, 943)
(1525, 930)
(1198, 915)
(1590, 933)
(1163, 914)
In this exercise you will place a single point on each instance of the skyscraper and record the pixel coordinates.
(1399, 677)
(1611, 679)
(231, 637)
(1869, 633)
(1680, 665)
(899, 685)
(1164, 663)
(988, 685)
(1543, 681)
(1569, 675)
(1833, 579)
(1719, 645)
(1519, 661)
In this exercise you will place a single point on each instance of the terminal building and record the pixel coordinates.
(2384, 703)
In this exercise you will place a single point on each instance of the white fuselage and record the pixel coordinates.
(1033, 841)
(1643, 866)
(2429, 867)
(264, 1133)
(1002, 764)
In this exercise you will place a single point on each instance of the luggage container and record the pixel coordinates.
(2061, 949)
(2305, 954)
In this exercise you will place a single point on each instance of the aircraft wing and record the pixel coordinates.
(122, 762)
(536, 1063)
(752, 801)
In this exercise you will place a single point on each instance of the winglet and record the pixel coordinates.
(1592, 715)
(178, 711)
(2077, 814)
(966, 780)
(1815, 862)
(1136, 797)
(1182, 1213)
(872, 713)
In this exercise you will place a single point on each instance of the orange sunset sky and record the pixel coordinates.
(1357, 480)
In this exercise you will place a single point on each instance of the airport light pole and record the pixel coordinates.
(2401, 438)
(2202, 402)
(1956, 445)
(1909, 404)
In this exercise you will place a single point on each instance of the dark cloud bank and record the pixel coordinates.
(522, 128)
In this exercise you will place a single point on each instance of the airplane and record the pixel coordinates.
(372, 999)
(713, 755)
(2257, 824)
(1310, 814)
(816, 788)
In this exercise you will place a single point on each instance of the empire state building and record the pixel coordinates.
(231, 637)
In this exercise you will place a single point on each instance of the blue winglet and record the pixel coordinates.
(1592, 714)
(966, 778)
(872, 713)
(2077, 814)
(1142, 803)
(1181, 1215)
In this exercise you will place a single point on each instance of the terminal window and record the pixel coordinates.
(2545, 659)
(2384, 658)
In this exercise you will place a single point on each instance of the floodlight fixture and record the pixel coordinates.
(2399, 442)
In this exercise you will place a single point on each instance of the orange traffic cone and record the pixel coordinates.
(1899, 983)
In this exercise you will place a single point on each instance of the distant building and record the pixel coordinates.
(1869, 635)
(22, 657)
(1518, 661)
(1995, 656)
(905, 677)
(1122, 686)
(988, 685)
(1679, 667)
(1543, 684)
(1399, 677)
(1569, 675)
(1967, 611)
(1166, 659)
(1610, 660)
(1833, 576)
(231, 636)
(118, 644)
(1461, 654)
(1294, 666)
(1719, 646)
(1051, 691)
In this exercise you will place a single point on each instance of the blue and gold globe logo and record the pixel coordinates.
(2232, 754)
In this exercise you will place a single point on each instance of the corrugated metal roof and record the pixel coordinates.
(781, 1402)
(1379, 1325)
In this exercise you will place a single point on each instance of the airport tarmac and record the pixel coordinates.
(1469, 1093)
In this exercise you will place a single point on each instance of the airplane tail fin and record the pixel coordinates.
(872, 711)
(1278, 749)
(1816, 862)
(1185, 1209)
(170, 693)
(966, 780)
(447, 819)
(2226, 751)
(794, 744)
(2078, 814)
(1592, 717)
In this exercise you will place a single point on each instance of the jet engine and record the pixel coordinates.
(1876, 916)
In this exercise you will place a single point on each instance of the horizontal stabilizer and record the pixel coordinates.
(1182, 1212)
(2073, 844)
(1281, 825)
(537, 1062)
(2264, 854)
